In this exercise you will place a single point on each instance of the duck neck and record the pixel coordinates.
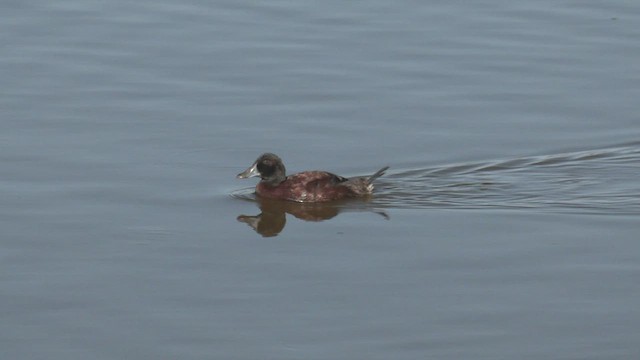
(274, 180)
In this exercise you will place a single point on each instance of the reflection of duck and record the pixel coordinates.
(272, 219)
(307, 186)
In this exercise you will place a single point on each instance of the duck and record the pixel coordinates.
(306, 186)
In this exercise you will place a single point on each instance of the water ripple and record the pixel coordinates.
(596, 181)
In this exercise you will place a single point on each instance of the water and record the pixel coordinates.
(506, 227)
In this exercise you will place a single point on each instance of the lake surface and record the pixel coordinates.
(507, 227)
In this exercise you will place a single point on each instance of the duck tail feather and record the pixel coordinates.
(377, 174)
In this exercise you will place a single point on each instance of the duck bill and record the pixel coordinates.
(250, 172)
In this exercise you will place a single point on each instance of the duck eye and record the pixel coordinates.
(265, 167)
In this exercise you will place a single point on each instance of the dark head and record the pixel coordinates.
(269, 167)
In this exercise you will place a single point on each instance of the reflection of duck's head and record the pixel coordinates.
(267, 224)
(307, 186)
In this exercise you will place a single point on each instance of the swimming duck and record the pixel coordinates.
(307, 186)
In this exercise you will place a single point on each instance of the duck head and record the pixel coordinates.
(268, 167)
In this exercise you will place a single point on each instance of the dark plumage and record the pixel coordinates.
(307, 186)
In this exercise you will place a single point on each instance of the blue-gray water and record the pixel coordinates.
(507, 228)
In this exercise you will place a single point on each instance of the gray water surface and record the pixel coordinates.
(506, 228)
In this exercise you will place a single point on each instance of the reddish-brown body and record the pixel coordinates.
(310, 186)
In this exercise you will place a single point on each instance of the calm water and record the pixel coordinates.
(507, 227)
